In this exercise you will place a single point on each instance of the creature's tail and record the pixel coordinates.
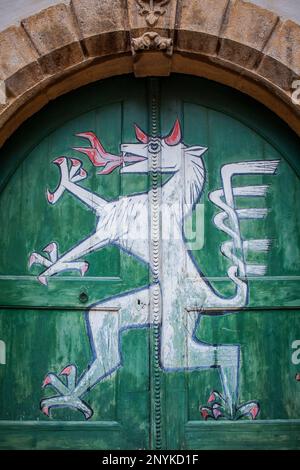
(68, 174)
(228, 221)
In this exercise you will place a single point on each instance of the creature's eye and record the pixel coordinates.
(154, 147)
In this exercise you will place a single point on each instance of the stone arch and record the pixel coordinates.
(69, 45)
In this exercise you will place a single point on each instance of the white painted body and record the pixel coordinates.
(185, 293)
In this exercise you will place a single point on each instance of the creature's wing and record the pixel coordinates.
(228, 221)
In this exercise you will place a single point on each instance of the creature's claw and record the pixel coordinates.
(216, 410)
(76, 173)
(52, 250)
(215, 396)
(88, 414)
(43, 280)
(206, 412)
(220, 408)
(66, 371)
(56, 383)
(59, 161)
(254, 411)
(54, 264)
(66, 396)
(47, 381)
(70, 372)
(85, 266)
(46, 410)
(50, 197)
(35, 258)
(250, 410)
(32, 260)
(68, 401)
(76, 162)
(68, 174)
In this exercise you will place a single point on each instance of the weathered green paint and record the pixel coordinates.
(44, 329)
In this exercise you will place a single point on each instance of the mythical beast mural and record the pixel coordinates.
(124, 223)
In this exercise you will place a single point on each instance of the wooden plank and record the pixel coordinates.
(267, 435)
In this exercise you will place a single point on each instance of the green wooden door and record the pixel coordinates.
(149, 272)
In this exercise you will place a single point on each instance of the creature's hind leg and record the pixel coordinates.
(226, 358)
(223, 357)
(105, 321)
(104, 338)
(104, 326)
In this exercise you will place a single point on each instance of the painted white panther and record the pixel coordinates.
(124, 223)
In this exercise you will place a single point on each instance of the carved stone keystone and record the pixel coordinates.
(152, 41)
(152, 10)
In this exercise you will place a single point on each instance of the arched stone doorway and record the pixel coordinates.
(64, 47)
(67, 47)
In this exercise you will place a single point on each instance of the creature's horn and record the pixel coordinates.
(141, 135)
(175, 136)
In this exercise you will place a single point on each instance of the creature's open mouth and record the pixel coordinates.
(133, 163)
(132, 158)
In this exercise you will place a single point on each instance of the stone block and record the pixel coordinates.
(199, 24)
(19, 68)
(281, 63)
(103, 26)
(246, 31)
(53, 33)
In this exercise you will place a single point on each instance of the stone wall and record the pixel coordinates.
(13, 11)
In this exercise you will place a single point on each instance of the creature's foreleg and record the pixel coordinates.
(68, 262)
(71, 172)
